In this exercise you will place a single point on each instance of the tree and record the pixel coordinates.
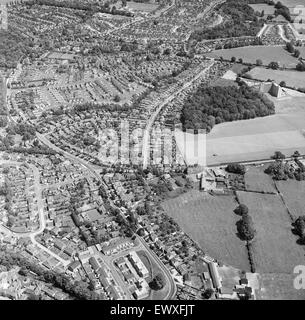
(290, 47)
(207, 294)
(158, 282)
(274, 65)
(233, 59)
(236, 168)
(299, 226)
(245, 228)
(283, 84)
(297, 53)
(296, 154)
(278, 155)
(259, 62)
(241, 209)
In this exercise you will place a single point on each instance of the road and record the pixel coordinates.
(173, 288)
(150, 122)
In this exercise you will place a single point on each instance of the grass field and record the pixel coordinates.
(210, 222)
(293, 192)
(138, 6)
(257, 180)
(153, 271)
(263, 7)
(278, 287)
(292, 78)
(275, 248)
(259, 138)
(265, 53)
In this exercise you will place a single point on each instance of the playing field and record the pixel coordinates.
(210, 221)
(292, 78)
(251, 54)
(275, 248)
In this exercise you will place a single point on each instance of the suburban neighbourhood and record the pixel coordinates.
(152, 149)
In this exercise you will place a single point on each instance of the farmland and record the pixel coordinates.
(210, 222)
(257, 139)
(257, 180)
(278, 287)
(274, 246)
(138, 6)
(263, 7)
(266, 53)
(291, 78)
(293, 193)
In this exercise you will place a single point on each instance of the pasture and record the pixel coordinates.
(274, 247)
(210, 221)
(263, 7)
(138, 6)
(259, 138)
(293, 193)
(292, 78)
(257, 180)
(266, 53)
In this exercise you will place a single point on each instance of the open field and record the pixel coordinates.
(278, 287)
(265, 53)
(210, 222)
(275, 248)
(257, 180)
(292, 78)
(293, 192)
(259, 138)
(137, 6)
(263, 7)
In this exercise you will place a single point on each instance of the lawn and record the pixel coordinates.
(265, 53)
(210, 222)
(275, 248)
(293, 193)
(257, 180)
(292, 78)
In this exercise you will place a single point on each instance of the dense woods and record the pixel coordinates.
(212, 105)
(242, 22)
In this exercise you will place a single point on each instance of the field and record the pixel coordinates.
(278, 287)
(259, 138)
(265, 53)
(210, 222)
(275, 248)
(292, 78)
(257, 180)
(263, 7)
(293, 192)
(137, 6)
